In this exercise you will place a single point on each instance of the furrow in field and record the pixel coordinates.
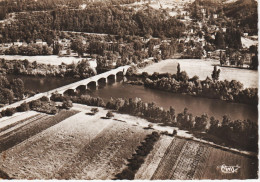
(6, 121)
(153, 159)
(23, 123)
(201, 165)
(169, 160)
(247, 167)
(198, 157)
(32, 129)
(106, 155)
(41, 156)
(184, 164)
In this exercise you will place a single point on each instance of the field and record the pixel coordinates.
(184, 159)
(204, 68)
(74, 144)
(246, 42)
(79, 147)
(52, 59)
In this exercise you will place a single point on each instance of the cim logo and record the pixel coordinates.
(229, 169)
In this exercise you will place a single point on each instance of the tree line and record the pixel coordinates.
(225, 130)
(210, 87)
(30, 50)
(80, 69)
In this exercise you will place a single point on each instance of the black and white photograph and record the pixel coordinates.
(129, 90)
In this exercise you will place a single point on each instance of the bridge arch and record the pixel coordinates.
(81, 88)
(120, 73)
(92, 84)
(111, 76)
(70, 92)
(102, 81)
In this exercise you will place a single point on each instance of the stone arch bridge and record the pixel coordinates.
(94, 79)
(103, 76)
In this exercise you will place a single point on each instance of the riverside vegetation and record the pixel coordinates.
(225, 132)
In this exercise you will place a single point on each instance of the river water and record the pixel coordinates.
(196, 105)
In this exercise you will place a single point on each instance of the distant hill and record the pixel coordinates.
(244, 12)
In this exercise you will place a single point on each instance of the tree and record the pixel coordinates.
(78, 46)
(109, 114)
(6, 96)
(219, 41)
(66, 104)
(178, 71)
(183, 76)
(23, 107)
(56, 48)
(18, 88)
(254, 63)
(4, 83)
(215, 74)
(174, 132)
(201, 122)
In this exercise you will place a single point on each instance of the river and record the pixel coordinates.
(196, 105)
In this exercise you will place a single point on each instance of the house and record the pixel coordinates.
(215, 15)
(39, 41)
(224, 29)
(18, 44)
(186, 17)
(245, 34)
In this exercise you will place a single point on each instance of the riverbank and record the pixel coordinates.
(232, 91)
(135, 120)
(224, 134)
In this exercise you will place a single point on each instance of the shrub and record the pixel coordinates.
(94, 110)
(126, 174)
(57, 97)
(66, 104)
(174, 132)
(9, 111)
(44, 99)
(23, 107)
(35, 104)
(109, 114)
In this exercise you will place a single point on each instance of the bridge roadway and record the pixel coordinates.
(73, 86)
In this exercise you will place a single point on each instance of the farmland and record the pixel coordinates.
(204, 68)
(80, 147)
(75, 144)
(184, 159)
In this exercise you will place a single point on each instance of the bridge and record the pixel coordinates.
(103, 77)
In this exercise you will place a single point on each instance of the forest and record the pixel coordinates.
(114, 20)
